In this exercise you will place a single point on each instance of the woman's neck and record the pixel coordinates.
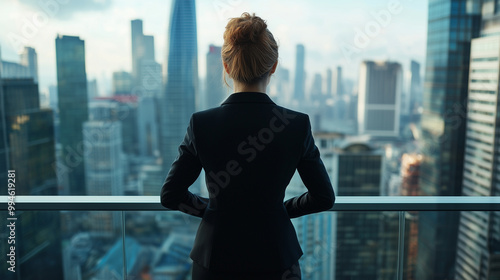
(257, 87)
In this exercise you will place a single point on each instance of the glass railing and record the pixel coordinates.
(130, 237)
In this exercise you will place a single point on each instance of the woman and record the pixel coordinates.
(249, 148)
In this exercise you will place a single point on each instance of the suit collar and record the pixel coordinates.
(248, 97)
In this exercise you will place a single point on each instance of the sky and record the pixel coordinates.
(334, 33)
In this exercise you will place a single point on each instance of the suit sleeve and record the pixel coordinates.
(320, 195)
(183, 173)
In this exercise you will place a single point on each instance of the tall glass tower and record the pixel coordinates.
(73, 109)
(451, 26)
(178, 100)
(478, 249)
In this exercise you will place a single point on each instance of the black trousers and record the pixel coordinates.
(202, 273)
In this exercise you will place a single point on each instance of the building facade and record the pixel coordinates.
(478, 245)
(215, 90)
(27, 146)
(73, 109)
(357, 166)
(181, 89)
(379, 98)
(451, 26)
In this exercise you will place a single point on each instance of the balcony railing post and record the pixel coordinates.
(401, 245)
(125, 276)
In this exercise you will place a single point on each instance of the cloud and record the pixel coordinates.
(65, 9)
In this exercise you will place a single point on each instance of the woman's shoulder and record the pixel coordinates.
(281, 112)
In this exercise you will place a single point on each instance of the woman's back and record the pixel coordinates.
(249, 148)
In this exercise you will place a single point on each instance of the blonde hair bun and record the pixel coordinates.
(249, 29)
(249, 49)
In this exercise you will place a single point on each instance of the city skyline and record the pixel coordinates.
(401, 36)
(377, 135)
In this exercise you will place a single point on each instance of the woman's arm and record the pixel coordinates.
(320, 195)
(183, 173)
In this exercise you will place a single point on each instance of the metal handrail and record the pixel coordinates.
(342, 203)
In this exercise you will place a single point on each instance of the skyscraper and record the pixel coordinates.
(73, 108)
(14, 70)
(143, 58)
(215, 92)
(27, 146)
(317, 233)
(30, 137)
(30, 60)
(478, 247)
(316, 93)
(178, 101)
(103, 158)
(415, 86)
(300, 75)
(379, 95)
(92, 91)
(329, 92)
(357, 172)
(137, 48)
(451, 26)
(122, 83)
(104, 162)
(147, 126)
(337, 82)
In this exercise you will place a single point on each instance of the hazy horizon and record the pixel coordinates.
(393, 30)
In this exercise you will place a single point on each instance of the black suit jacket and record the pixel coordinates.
(249, 148)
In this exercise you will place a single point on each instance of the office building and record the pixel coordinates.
(478, 247)
(146, 72)
(416, 93)
(329, 83)
(151, 80)
(300, 74)
(29, 60)
(279, 87)
(104, 162)
(379, 98)
(126, 111)
(14, 70)
(27, 146)
(138, 50)
(181, 88)
(357, 166)
(316, 92)
(103, 159)
(449, 32)
(92, 91)
(317, 233)
(337, 82)
(215, 89)
(73, 109)
(122, 83)
(147, 125)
